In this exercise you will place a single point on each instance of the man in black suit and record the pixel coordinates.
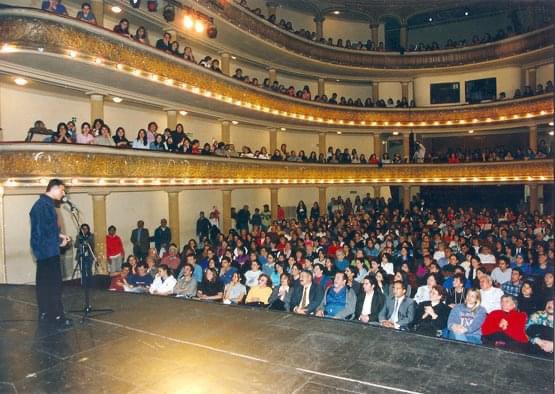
(140, 239)
(370, 302)
(399, 310)
(306, 296)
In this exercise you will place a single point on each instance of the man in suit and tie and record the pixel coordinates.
(140, 239)
(399, 310)
(370, 302)
(306, 296)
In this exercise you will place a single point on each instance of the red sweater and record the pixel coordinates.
(515, 329)
(114, 246)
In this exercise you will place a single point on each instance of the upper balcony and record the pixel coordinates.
(78, 55)
(239, 18)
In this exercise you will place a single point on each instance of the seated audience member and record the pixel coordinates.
(540, 331)
(86, 14)
(141, 35)
(172, 259)
(210, 289)
(54, 6)
(502, 273)
(423, 292)
(339, 301)
(164, 43)
(306, 296)
(226, 270)
(465, 320)
(118, 281)
(281, 294)
(319, 278)
(186, 286)
(122, 28)
(120, 139)
(260, 294)
(431, 316)
(369, 302)
(234, 291)
(139, 282)
(505, 327)
(546, 291)
(490, 296)
(104, 138)
(527, 300)
(457, 294)
(164, 282)
(251, 276)
(513, 286)
(522, 265)
(399, 310)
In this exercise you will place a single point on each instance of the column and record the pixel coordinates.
(173, 218)
(97, 107)
(322, 147)
(273, 140)
(406, 146)
(272, 8)
(406, 197)
(533, 137)
(405, 90)
(533, 199)
(374, 33)
(323, 200)
(171, 116)
(226, 131)
(272, 75)
(274, 201)
(321, 87)
(226, 211)
(404, 36)
(378, 145)
(98, 10)
(377, 191)
(319, 21)
(531, 79)
(3, 270)
(99, 224)
(224, 63)
(375, 91)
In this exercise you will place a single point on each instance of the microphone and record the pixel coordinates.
(66, 200)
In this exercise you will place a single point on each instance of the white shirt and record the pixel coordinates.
(395, 315)
(162, 287)
(491, 298)
(388, 268)
(487, 258)
(501, 277)
(251, 278)
(422, 294)
(367, 305)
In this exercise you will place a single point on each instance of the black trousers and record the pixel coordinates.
(49, 287)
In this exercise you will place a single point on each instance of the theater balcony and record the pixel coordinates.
(79, 56)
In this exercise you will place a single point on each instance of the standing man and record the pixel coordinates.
(162, 236)
(203, 226)
(140, 240)
(46, 241)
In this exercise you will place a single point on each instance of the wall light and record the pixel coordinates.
(183, 113)
(116, 9)
(20, 81)
(188, 21)
(117, 100)
(283, 129)
(470, 131)
(199, 27)
(234, 122)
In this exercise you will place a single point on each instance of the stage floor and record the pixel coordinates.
(164, 345)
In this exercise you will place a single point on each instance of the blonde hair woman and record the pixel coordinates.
(465, 320)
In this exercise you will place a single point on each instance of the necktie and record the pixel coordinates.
(139, 236)
(304, 298)
(395, 316)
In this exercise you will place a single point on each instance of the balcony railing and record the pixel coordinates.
(253, 24)
(30, 164)
(45, 34)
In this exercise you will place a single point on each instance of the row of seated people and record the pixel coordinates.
(170, 46)
(178, 141)
(450, 43)
(471, 275)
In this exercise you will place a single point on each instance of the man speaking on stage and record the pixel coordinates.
(46, 241)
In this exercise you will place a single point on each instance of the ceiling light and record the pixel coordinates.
(470, 131)
(551, 123)
(21, 81)
(430, 19)
(466, 13)
(188, 21)
(199, 26)
(116, 9)
(234, 122)
(183, 113)
(336, 12)
(117, 100)
(283, 129)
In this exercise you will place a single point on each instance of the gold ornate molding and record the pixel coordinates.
(30, 164)
(27, 29)
(379, 60)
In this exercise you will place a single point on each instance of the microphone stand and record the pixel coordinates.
(86, 272)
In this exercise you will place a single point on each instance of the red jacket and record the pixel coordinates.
(516, 322)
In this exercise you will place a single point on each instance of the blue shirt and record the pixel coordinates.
(341, 264)
(45, 233)
(137, 280)
(197, 273)
(60, 8)
(226, 278)
(335, 302)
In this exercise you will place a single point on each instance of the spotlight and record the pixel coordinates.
(183, 113)
(152, 5)
(169, 13)
(135, 3)
(188, 21)
(199, 26)
(234, 122)
(466, 13)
